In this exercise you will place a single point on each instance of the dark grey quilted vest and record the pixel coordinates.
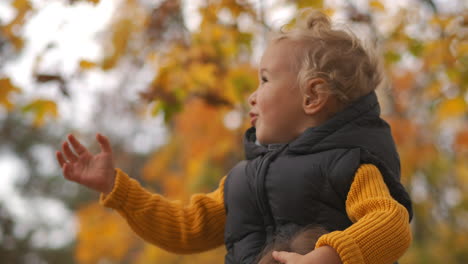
(282, 187)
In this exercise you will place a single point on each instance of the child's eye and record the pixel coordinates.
(264, 80)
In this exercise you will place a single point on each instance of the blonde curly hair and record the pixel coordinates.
(349, 69)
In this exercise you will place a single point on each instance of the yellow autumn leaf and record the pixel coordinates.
(462, 49)
(102, 234)
(194, 167)
(451, 108)
(441, 21)
(329, 11)
(461, 170)
(41, 109)
(433, 90)
(86, 65)
(159, 162)
(18, 43)
(229, 49)
(152, 254)
(309, 3)
(6, 89)
(239, 82)
(203, 75)
(21, 4)
(10, 31)
(122, 30)
(377, 5)
(216, 33)
(90, 1)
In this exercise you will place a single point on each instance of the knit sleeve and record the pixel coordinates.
(380, 232)
(196, 227)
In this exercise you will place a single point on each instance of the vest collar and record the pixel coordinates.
(367, 105)
(251, 146)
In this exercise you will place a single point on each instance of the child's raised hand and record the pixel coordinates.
(93, 171)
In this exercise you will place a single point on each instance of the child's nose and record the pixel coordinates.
(252, 100)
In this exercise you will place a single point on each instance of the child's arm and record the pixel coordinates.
(380, 233)
(193, 228)
(197, 227)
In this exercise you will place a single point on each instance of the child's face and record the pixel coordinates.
(277, 112)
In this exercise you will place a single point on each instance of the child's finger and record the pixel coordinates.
(104, 143)
(68, 152)
(61, 160)
(80, 149)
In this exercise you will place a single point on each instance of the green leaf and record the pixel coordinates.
(416, 48)
(392, 57)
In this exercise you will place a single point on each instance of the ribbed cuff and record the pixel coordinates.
(118, 196)
(344, 245)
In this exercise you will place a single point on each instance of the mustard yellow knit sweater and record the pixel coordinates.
(380, 232)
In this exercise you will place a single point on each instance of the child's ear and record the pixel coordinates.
(315, 97)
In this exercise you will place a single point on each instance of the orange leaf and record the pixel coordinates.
(403, 130)
(461, 140)
(451, 108)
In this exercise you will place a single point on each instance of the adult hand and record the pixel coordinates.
(288, 257)
(93, 171)
(321, 255)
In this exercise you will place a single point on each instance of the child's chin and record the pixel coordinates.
(260, 136)
(260, 140)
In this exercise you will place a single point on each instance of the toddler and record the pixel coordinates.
(317, 152)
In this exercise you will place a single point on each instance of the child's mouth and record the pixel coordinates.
(253, 121)
(253, 118)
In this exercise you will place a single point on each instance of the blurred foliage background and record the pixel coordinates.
(167, 81)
